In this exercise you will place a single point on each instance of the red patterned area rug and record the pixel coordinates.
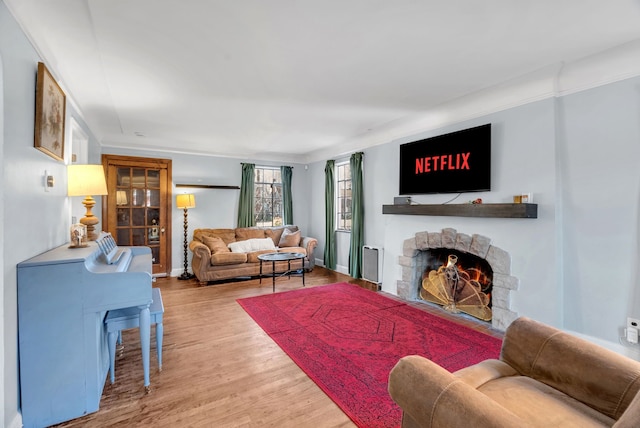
(347, 339)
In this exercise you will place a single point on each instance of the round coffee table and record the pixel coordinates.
(281, 257)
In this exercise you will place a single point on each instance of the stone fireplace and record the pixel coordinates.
(413, 266)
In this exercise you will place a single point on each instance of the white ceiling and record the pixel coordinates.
(282, 79)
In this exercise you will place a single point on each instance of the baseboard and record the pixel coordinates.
(177, 272)
(342, 269)
(339, 268)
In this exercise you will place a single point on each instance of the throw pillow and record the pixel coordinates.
(275, 234)
(262, 244)
(240, 247)
(215, 244)
(289, 239)
(250, 245)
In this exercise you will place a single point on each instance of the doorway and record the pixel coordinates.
(137, 209)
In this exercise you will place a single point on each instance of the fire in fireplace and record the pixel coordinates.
(458, 281)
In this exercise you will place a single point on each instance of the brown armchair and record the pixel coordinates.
(544, 378)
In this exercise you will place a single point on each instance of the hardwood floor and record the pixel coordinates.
(220, 369)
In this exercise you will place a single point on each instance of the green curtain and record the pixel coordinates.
(357, 216)
(245, 206)
(287, 200)
(330, 215)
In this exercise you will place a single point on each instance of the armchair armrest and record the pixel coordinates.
(430, 396)
(309, 244)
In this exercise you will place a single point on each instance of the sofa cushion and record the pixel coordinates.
(228, 258)
(215, 244)
(244, 233)
(289, 238)
(252, 257)
(250, 245)
(227, 235)
(541, 404)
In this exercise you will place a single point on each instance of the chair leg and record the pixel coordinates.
(111, 339)
(159, 333)
(145, 339)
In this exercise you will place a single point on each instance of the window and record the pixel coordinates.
(267, 198)
(343, 205)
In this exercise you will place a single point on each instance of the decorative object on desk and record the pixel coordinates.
(87, 180)
(50, 114)
(185, 202)
(78, 236)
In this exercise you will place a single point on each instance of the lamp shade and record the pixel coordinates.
(185, 201)
(83, 180)
(121, 197)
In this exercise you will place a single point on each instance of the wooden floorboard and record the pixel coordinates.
(220, 369)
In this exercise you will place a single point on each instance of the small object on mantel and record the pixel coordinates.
(476, 201)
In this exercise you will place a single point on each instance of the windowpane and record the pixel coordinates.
(268, 175)
(343, 203)
(138, 177)
(267, 196)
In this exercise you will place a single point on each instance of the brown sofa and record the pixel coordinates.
(213, 260)
(544, 378)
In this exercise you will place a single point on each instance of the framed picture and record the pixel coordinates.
(50, 114)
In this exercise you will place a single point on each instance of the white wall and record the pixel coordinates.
(2, 334)
(599, 142)
(33, 220)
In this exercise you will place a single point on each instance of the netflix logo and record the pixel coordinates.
(456, 162)
(443, 162)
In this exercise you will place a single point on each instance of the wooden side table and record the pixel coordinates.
(280, 257)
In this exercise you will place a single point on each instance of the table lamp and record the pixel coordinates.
(185, 201)
(87, 180)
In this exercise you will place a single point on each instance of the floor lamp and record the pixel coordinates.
(185, 202)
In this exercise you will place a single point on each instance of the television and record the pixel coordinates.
(451, 163)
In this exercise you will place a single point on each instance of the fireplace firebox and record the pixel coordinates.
(458, 281)
(427, 255)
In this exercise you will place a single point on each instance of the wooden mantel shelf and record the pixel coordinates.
(466, 210)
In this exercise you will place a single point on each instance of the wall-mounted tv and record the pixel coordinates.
(451, 163)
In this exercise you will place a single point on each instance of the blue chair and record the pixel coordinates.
(122, 319)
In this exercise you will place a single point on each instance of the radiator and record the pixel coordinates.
(372, 264)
